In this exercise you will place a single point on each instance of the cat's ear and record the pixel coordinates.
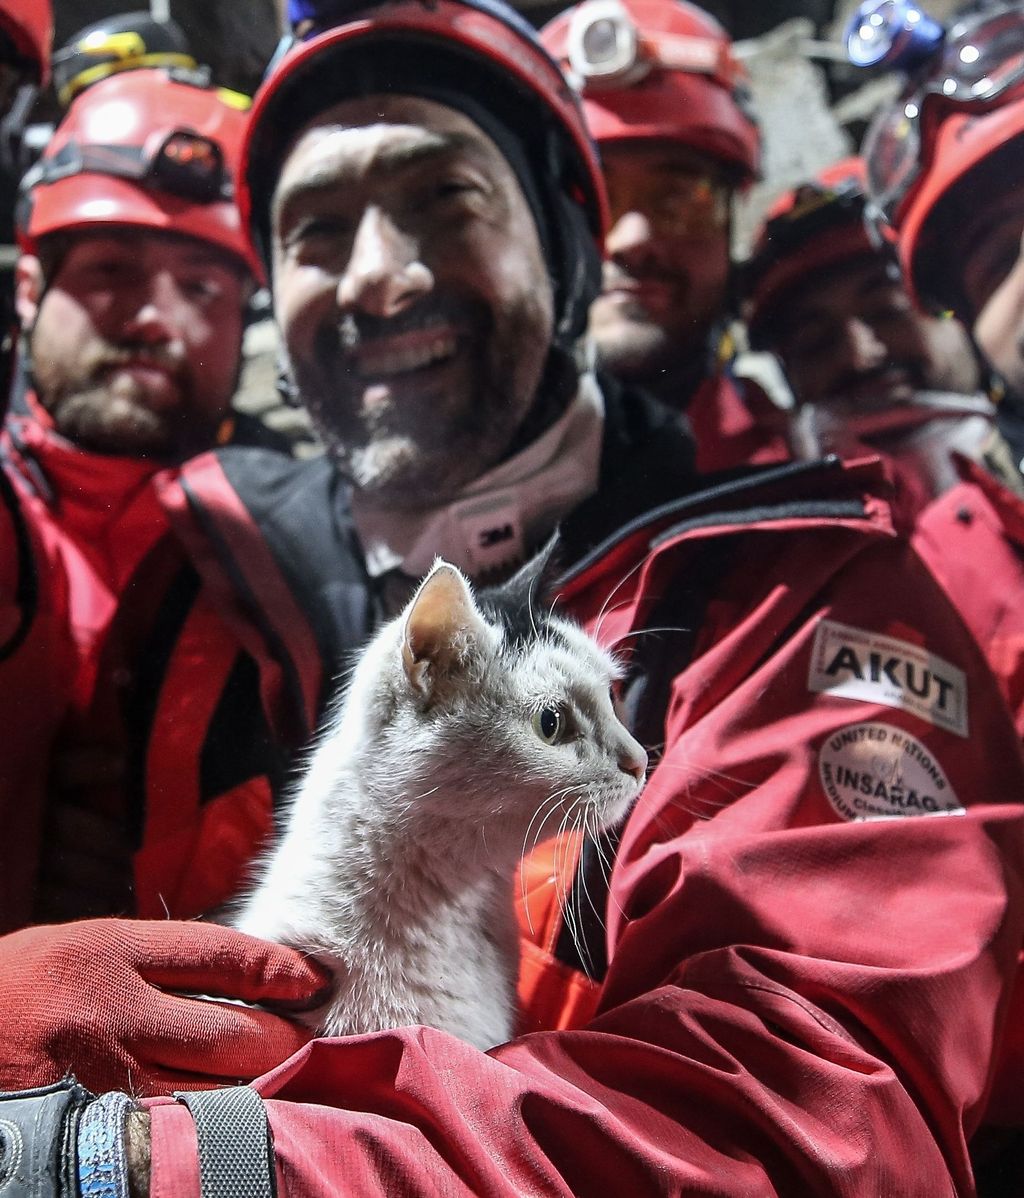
(534, 584)
(442, 625)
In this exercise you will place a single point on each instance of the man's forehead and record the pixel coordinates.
(361, 131)
(660, 155)
(135, 239)
(845, 282)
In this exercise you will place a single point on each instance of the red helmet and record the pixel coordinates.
(477, 56)
(141, 148)
(658, 69)
(960, 147)
(29, 25)
(812, 228)
(962, 111)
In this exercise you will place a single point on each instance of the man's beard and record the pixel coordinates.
(636, 346)
(410, 452)
(117, 416)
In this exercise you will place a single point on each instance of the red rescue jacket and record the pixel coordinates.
(155, 680)
(786, 998)
(972, 538)
(37, 664)
(734, 423)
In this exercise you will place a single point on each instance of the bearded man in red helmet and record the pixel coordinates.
(420, 181)
(670, 109)
(132, 287)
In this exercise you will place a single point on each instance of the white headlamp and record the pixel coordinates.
(605, 49)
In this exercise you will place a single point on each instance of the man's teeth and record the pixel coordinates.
(377, 363)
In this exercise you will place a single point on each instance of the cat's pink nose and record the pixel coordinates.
(633, 761)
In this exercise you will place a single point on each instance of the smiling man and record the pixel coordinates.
(870, 372)
(669, 105)
(422, 358)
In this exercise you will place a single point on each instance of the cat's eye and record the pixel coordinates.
(548, 723)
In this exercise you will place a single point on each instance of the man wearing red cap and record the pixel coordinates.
(870, 372)
(132, 288)
(778, 990)
(669, 106)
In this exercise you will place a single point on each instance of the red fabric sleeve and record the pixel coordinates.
(796, 1004)
(786, 1055)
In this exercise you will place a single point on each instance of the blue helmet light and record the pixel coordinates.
(895, 33)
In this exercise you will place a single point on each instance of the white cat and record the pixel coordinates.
(468, 725)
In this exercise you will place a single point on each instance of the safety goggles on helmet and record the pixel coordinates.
(970, 68)
(689, 205)
(606, 50)
(183, 163)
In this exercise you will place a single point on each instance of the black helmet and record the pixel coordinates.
(118, 43)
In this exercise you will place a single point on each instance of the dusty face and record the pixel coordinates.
(993, 282)
(136, 341)
(854, 342)
(666, 275)
(412, 294)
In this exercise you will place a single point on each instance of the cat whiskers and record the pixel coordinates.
(548, 807)
(565, 839)
(611, 595)
(638, 632)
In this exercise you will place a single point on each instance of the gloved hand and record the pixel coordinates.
(108, 1000)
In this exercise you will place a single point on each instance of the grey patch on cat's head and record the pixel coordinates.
(521, 606)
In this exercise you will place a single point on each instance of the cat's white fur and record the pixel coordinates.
(397, 862)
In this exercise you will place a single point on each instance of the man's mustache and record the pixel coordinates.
(110, 357)
(357, 329)
(613, 276)
(859, 381)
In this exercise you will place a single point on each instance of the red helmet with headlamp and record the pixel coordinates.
(658, 70)
(962, 106)
(143, 149)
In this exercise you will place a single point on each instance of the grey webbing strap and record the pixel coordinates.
(235, 1157)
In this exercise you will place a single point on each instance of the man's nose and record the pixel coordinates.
(384, 274)
(860, 345)
(631, 235)
(161, 314)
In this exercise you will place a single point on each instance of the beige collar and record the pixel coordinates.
(504, 514)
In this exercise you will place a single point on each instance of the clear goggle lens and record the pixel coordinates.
(980, 63)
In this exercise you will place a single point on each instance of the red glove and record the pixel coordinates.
(107, 1000)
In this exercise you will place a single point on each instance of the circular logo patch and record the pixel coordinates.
(876, 771)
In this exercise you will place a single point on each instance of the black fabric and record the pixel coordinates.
(140, 699)
(239, 745)
(302, 512)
